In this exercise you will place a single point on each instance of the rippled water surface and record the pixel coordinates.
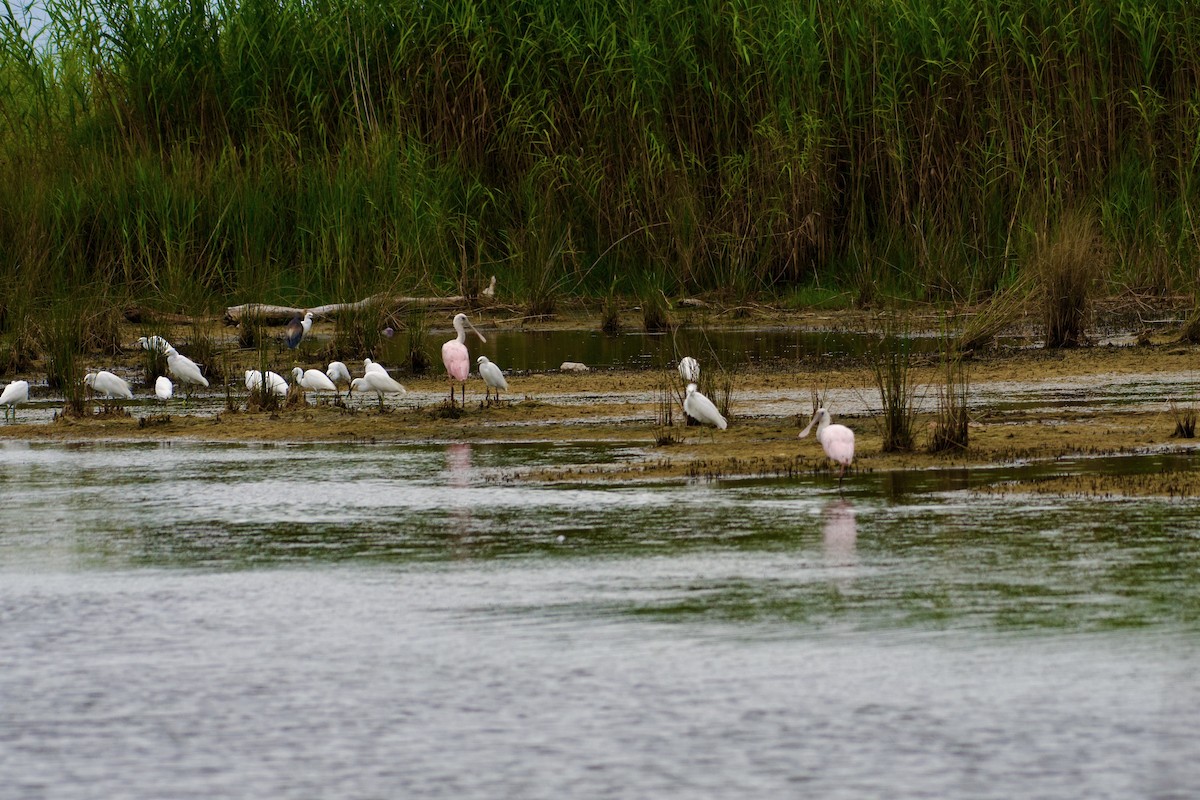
(194, 621)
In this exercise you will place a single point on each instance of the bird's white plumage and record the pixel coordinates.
(275, 382)
(163, 388)
(371, 366)
(109, 385)
(701, 409)
(689, 369)
(153, 343)
(492, 375)
(338, 372)
(14, 393)
(313, 380)
(183, 368)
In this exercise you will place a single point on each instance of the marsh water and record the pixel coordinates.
(193, 621)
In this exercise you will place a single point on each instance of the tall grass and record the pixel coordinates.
(891, 361)
(285, 151)
(1068, 262)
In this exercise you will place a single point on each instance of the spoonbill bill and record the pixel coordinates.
(16, 392)
(836, 440)
(297, 329)
(701, 409)
(456, 358)
(492, 376)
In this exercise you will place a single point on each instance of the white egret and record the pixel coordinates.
(689, 369)
(701, 409)
(111, 386)
(297, 329)
(275, 382)
(163, 388)
(836, 440)
(312, 380)
(338, 373)
(185, 371)
(371, 366)
(379, 382)
(154, 343)
(456, 358)
(13, 394)
(492, 376)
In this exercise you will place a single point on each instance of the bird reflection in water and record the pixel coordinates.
(458, 465)
(840, 531)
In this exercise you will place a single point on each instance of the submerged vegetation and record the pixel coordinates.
(193, 154)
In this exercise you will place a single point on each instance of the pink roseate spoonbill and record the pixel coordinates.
(689, 369)
(492, 376)
(836, 440)
(13, 394)
(111, 386)
(701, 409)
(456, 358)
(297, 329)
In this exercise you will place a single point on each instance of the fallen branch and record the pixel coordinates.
(280, 314)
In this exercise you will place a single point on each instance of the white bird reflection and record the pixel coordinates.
(458, 465)
(840, 531)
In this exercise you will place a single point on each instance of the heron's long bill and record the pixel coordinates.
(807, 427)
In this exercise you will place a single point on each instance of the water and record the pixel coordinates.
(192, 620)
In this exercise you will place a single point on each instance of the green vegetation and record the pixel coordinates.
(196, 154)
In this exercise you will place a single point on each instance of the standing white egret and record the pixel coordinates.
(297, 329)
(689, 369)
(492, 376)
(456, 358)
(379, 382)
(163, 388)
(339, 373)
(112, 387)
(701, 409)
(372, 366)
(185, 371)
(836, 440)
(13, 394)
(312, 380)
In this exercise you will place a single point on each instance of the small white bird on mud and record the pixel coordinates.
(312, 380)
(493, 376)
(108, 385)
(163, 388)
(15, 393)
(701, 409)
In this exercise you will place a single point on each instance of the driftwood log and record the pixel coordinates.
(280, 314)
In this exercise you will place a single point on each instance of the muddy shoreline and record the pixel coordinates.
(769, 404)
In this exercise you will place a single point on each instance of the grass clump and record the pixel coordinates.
(891, 363)
(1068, 261)
(951, 424)
(1185, 420)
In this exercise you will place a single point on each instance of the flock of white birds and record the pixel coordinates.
(836, 440)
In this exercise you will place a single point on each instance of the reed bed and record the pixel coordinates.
(285, 151)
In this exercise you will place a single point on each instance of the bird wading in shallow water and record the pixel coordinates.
(108, 385)
(377, 380)
(492, 376)
(339, 373)
(836, 440)
(185, 371)
(297, 329)
(15, 393)
(701, 409)
(312, 380)
(456, 358)
(163, 388)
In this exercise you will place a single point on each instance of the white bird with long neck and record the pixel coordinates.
(15, 393)
(701, 409)
(154, 343)
(275, 382)
(297, 329)
(456, 358)
(492, 376)
(836, 440)
(312, 380)
(378, 381)
(185, 371)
